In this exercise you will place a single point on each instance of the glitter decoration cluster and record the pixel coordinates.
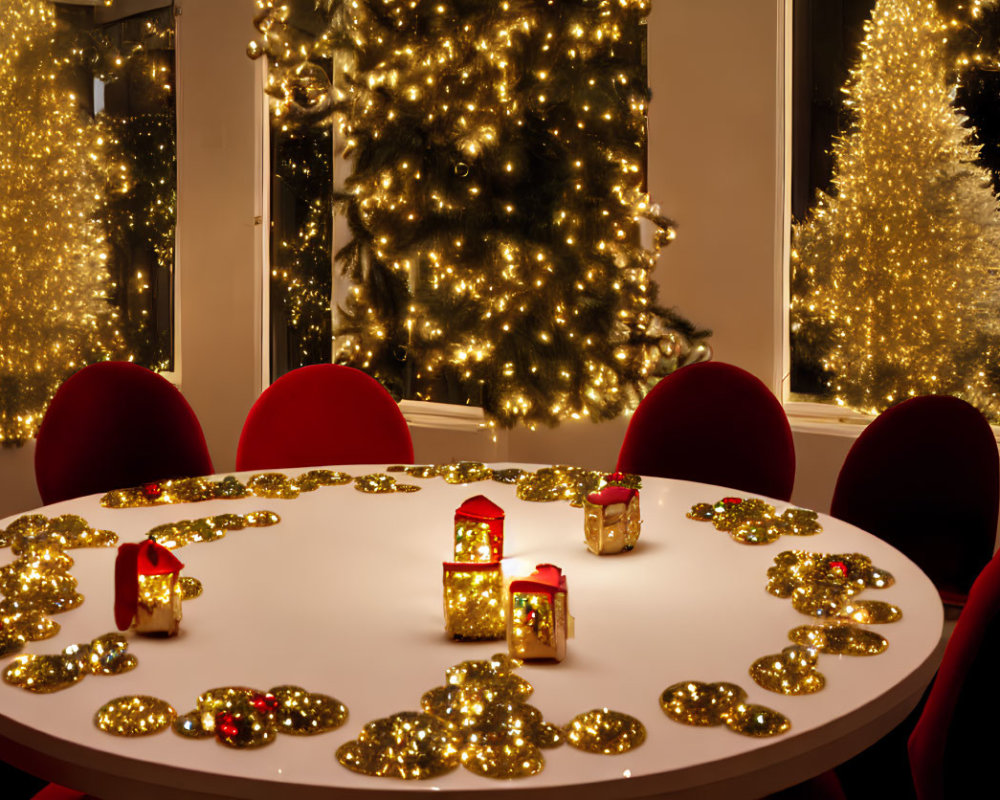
(42, 674)
(38, 582)
(826, 586)
(544, 485)
(237, 716)
(380, 483)
(792, 671)
(181, 533)
(135, 715)
(753, 521)
(480, 719)
(272, 485)
(708, 704)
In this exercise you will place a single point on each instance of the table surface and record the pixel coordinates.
(344, 597)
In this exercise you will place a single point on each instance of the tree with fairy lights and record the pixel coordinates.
(54, 313)
(894, 278)
(497, 186)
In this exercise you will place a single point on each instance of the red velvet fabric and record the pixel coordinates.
(115, 424)
(954, 744)
(324, 414)
(714, 423)
(925, 477)
(56, 792)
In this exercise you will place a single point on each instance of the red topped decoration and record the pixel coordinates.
(151, 491)
(839, 566)
(546, 579)
(144, 558)
(480, 507)
(479, 530)
(610, 495)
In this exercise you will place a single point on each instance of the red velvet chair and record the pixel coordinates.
(954, 744)
(925, 477)
(115, 424)
(714, 423)
(323, 414)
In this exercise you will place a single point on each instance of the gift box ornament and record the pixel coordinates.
(147, 588)
(474, 601)
(538, 621)
(479, 530)
(611, 519)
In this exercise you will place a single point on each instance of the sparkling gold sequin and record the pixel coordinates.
(261, 519)
(380, 483)
(273, 485)
(559, 482)
(753, 521)
(134, 715)
(792, 671)
(513, 757)
(754, 720)
(757, 531)
(105, 655)
(314, 478)
(189, 725)
(839, 640)
(303, 713)
(509, 475)
(417, 471)
(871, 612)
(697, 703)
(190, 587)
(408, 745)
(604, 731)
(465, 472)
(43, 674)
(239, 716)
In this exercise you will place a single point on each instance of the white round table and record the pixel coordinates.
(344, 597)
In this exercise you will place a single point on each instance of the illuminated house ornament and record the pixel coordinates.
(611, 519)
(479, 530)
(537, 615)
(474, 600)
(147, 588)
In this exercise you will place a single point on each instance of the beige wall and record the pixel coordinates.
(715, 131)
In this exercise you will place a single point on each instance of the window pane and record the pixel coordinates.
(896, 225)
(494, 185)
(87, 193)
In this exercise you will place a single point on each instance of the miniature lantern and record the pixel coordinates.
(537, 617)
(611, 522)
(474, 600)
(147, 588)
(479, 530)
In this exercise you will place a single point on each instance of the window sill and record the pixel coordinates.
(443, 416)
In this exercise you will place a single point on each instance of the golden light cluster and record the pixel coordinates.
(495, 198)
(53, 255)
(894, 272)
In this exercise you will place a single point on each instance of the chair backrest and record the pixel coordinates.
(714, 423)
(953, 747)
(323, 414)
(925, 477)
(115, 424)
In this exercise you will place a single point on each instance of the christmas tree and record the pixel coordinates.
(494, 202)
(894, 286)
(53, 275)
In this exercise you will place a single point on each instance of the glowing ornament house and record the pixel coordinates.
(147, 588)
(538, 621)
(611, 519)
